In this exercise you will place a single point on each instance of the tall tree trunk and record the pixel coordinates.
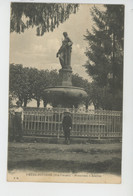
(25, 102)
(113, 65)
(21, 101)
(38, 103)
(86, 104)
(44, 103)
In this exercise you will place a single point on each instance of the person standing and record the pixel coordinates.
(67, 126)
(18, 122)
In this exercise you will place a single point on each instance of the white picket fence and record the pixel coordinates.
(90, 124)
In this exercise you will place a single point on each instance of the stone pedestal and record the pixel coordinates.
(65, 76)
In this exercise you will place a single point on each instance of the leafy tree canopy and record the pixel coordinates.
(44, 16)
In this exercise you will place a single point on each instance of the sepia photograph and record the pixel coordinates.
(65, 92)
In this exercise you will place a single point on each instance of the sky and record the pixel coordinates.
(40, 51)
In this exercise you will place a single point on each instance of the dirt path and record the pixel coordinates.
(65, 158)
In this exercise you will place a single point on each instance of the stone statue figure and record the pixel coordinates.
(64, 53)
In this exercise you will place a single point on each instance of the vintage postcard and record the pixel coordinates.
(65, 92)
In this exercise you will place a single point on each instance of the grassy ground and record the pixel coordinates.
(58, 157)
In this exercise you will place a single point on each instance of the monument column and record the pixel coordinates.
(65, 76)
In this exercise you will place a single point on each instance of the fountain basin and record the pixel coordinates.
(65, 96)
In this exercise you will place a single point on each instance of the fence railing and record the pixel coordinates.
(90, 124)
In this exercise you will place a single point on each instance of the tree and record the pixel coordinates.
(100, 95)
(51, 79)
(10, 100)
(78, 81)
(44, 16)
(36, 84)
(105, 55)
(19, 83)
(40, 80)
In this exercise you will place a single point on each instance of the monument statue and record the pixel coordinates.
(64, 53)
